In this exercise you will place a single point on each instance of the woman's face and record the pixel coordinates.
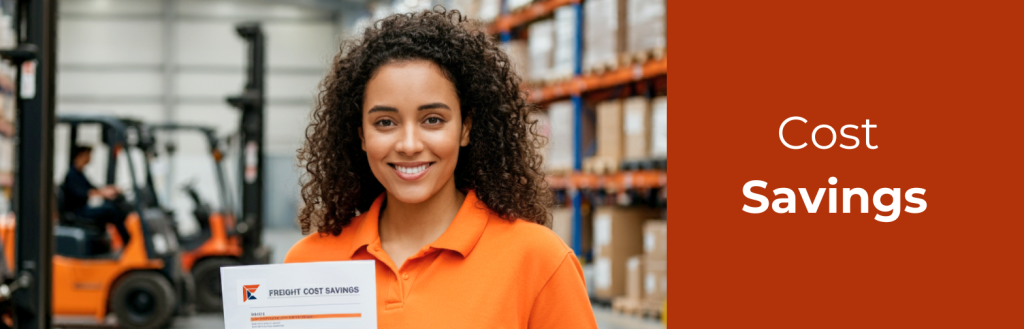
(412, 129)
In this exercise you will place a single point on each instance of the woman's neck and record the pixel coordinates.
(414, 225)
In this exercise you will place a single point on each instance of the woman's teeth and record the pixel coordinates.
(412, 170)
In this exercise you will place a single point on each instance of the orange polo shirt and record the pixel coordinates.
(483, 272)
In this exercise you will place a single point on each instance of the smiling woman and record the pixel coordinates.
(420, 156)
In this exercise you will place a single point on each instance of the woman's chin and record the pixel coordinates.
(411, 195)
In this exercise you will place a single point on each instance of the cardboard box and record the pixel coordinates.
(659, 127)
(636, 123)
(656, 239)
(634, 278)
(561, 223)
(646, 30)
(609, 129)
(541, 49)
(617, 236)
(604, 33)
(655, 281)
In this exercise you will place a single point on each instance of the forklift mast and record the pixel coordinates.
(35, 23)
(251, 103)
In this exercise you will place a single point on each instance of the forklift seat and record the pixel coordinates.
(77, 236)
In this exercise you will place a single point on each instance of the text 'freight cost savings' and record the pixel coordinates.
(786, 203)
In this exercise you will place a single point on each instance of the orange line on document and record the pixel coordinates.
(304, 317)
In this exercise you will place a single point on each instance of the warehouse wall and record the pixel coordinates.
(164, 60)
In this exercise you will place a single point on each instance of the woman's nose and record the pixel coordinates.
(410, 143)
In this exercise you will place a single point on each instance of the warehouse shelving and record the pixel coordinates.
(584, 83)
(640, 179)
(539, 9)
(575, 89)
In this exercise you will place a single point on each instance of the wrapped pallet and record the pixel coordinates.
(604, 33)
(659, 127)
(646, 30)
(519, 53)
(564, 63)
(636, 123)
(655, 281)
(489, 10)
(541, 49)
(561, 149)
(514, 5)
(617, 236)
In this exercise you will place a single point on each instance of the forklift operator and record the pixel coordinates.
(78, 190)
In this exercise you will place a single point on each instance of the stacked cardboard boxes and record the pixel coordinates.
(655, 263)
(609, 139)
(563, 225)
(618, 235)
(636, 123)
(604, 35)
(646, 30)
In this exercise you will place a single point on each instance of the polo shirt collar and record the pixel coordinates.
(461, 236)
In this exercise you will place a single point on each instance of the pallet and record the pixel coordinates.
(602, 67)
(557, 80)
(643, 56)
(643, 164)
(633, 307)
(601, 165)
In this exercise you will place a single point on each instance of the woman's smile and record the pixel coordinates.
(411, 170)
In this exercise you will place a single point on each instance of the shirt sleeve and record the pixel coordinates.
(563, 301)
(77, 184)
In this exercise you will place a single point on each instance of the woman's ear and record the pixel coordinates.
(362, 140)
(467, 124)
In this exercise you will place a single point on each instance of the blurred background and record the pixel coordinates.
(597, 68)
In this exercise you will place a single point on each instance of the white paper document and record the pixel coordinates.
(339, 295)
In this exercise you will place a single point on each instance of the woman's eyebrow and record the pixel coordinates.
(432, 106)
(382, 108)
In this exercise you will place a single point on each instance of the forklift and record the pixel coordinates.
(218, 242)
(140, 282)
(224, 238)
(61, 263)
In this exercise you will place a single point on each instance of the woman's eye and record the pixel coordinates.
(385, 123)
(434, 120)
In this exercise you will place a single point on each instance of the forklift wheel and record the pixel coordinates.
(143, 300)
(207, 276)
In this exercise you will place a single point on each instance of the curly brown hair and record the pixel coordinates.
(502, 163)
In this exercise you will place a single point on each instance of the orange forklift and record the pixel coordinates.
(218, 242)
(140, 282)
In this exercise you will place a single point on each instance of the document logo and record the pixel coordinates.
(249, 292)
